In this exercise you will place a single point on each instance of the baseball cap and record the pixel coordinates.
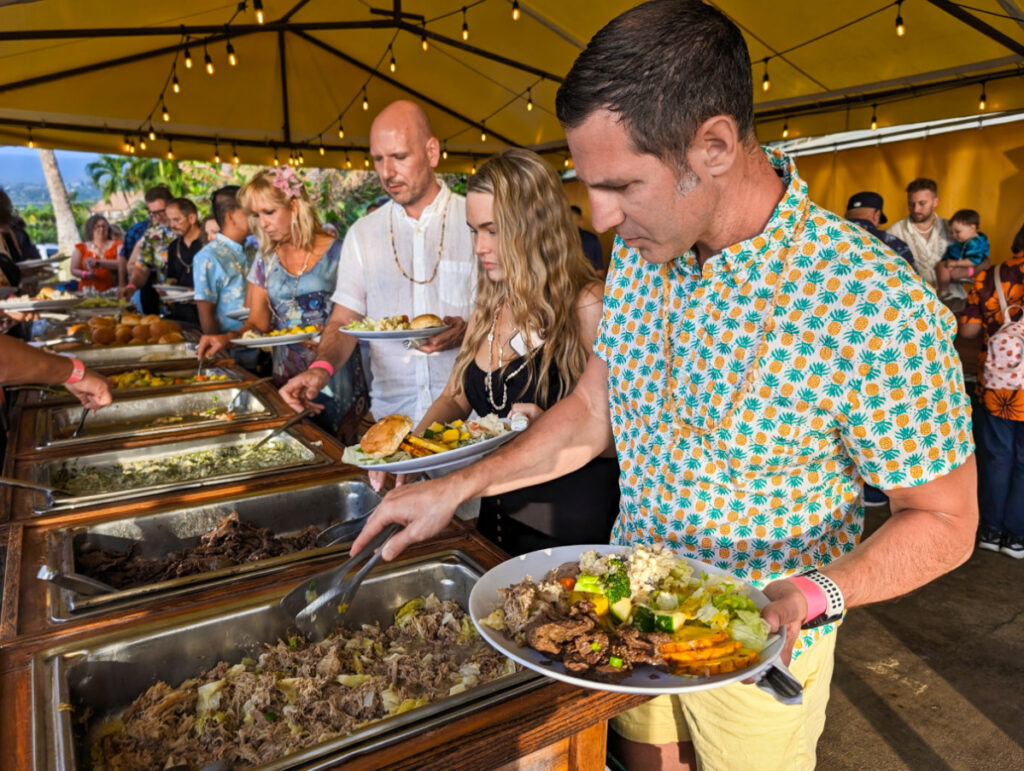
(868, 200)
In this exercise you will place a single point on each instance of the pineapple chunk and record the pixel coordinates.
(450, 435)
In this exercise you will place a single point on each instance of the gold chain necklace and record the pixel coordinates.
(295, 288)
(440, 246)
(680, 426)
(488, 385)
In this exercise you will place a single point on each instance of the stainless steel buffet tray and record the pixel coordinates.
(136, 416)
(105, 673)
(140, 355)
(230, 373)
(47, 471)
(285, 511)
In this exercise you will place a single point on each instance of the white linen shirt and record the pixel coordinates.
(369, 282)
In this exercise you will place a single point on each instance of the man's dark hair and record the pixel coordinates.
(664, 68)
(922, 183)
(159, 193)
(966, 217)
(576, 210)
(186, 206)
(223, 202)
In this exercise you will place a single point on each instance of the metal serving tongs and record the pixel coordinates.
(280, 429)
(780, 683)
(34, 486)
(76, 582)
(316, 614)
(81, 423)
(243, 388)
(343, 531)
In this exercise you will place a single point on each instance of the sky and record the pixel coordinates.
(20, 164)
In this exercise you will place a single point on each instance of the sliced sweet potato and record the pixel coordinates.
(682, 643)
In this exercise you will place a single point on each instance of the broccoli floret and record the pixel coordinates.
(616, 582)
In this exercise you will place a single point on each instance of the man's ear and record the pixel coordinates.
(433, 152)
(715, 145)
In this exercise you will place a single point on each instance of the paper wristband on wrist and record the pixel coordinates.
(77, 371)
(324, 365)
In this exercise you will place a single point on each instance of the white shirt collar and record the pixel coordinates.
(439, 204)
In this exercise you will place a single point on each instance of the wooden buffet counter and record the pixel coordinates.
(535, 723)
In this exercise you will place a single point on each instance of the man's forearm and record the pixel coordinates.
(207, 317)
(335, 346)
(916, 545)
(139, 275)
(21, 363)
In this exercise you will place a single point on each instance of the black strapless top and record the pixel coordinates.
(517, 388)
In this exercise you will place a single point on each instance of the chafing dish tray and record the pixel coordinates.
(143, 415)
(139, 470)
(95, 679)
(285, 512)
(224, 374)
(146, 353)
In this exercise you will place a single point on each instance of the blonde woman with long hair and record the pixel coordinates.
(290, 284)
(537, 310)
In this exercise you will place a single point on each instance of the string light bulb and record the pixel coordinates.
(322, 150)
(170, 150)
(257, 5)
(188, 58)
(901, 28)
(276, 161)
(124, 145)
(234, 154)
(785, 130)
(131, 146)
(766, 82)
(207, 60)
(529, 100)
(567, 162)
(444, 151)
(232, 59)
(515, 10)
(152, 134)
(472, 168)
(366, 161)
(348, 161)
(483, 131)
(341, 131)
(175, 85)
(982, 100)
(31, 142)
(216, 152)
(142, 143)
(465, 25)
(393, 65)
(874, 117)
(302, 158)
(423, 39)
(366, 102)
(164, 114)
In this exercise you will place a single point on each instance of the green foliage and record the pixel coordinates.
(41, 224)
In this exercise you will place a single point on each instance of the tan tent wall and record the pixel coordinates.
(980, 169)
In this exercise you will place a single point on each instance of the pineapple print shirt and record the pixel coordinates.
(841, 374)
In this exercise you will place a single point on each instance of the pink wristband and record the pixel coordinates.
(970, 270)
(324, 365)
(813, 593)
(77, 371)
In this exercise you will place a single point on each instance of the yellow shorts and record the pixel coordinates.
(740, 726)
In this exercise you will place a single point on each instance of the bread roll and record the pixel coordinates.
(103, 335)
(45, 293)
(171, 326)
(140, 332)
(426, 321)
(158, 329)
(150, 318)
(123, 334)
(131, 319)
(77, 329)
(385, 435)
(171, 337)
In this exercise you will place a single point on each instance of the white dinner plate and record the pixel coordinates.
(461, 455)
(267, 342)
(240, 315)
(38, 305)
(180, 297)
(395, 334)
(44, 262)
(644, 679)
(108, 310)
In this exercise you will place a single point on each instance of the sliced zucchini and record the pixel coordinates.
(621, 609)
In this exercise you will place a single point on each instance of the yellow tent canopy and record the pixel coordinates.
(99, 76)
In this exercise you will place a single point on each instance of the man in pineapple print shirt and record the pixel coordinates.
(760, 359)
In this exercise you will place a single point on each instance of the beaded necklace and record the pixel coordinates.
(290, 304)
(440, 246)
(488, 385)
(680, 426)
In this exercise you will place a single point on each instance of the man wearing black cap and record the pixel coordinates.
(865, 209)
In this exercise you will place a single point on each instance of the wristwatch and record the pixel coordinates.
(834, 602)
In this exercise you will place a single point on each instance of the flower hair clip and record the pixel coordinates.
(286, 180)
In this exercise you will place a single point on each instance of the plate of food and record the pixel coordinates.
(48, 299)
(638, 619)
(396, 328)
(389, 444)
(42, 263)
(297, 334)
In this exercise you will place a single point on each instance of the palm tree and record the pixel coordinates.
(67, 229)
(109, 175)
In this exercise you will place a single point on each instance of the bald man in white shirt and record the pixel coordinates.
(412, 256)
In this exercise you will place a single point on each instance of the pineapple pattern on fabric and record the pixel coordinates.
(855, 380)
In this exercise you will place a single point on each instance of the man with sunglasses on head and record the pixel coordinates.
(145, 245)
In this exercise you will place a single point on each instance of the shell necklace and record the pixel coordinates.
(488, 384)
(440, 245)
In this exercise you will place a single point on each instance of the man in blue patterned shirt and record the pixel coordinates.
(759, 360)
